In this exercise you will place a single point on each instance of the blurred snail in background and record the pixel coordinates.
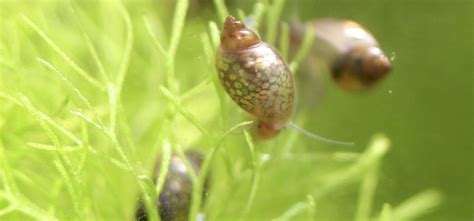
(346, 49)
(258, 79)
(174, 200)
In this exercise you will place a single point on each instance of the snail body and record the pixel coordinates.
(345, 48)
(174, 200)
(256, 77)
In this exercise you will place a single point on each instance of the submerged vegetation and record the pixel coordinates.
(92, 94)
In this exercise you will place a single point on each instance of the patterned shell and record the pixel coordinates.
(255, 76)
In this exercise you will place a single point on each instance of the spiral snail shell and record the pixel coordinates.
(256, 77)
(348, 50)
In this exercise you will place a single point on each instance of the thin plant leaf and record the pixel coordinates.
(196, 89)
(208, 50)
(284, 40)
(58, 50)
(417, 205)
(386, 214)
(49, 147)
(153, 37)
(311, 204)
(124, 63)
(7, 210)
(184, 111)
(304, 48)
(258, 12)
(48, 119)
(179, 17)
(64, 164)
(293, 211)
(88, 42)
(241, 14)
(23, 204)
(221, 9)
(214, 32)
(164, 166)
(255, 175)
(73, 88)
(273, 17)
(367, 193)
(208, 160)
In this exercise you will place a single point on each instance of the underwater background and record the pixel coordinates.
(424, 107)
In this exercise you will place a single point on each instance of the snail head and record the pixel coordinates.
(361, 67)
(235, 36)
(265, 131)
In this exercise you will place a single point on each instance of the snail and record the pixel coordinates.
(258, 79)
(345, 48)
(174, 200)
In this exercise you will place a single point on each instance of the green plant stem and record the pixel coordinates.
(153, 37)
(64, 165)
(207, 163)
(258, 12)
(273, 18)
(366, 193)
(304, 49)
(376, 150)
(311, 204)
(241, 14)
(124, 63)
(13, 194)
(68, 60)
(221, 9)
(292, 212)
(114, 93)
(214, 32)
(417, 205)
(255, 176)
(68, 83)
(284, 40)
(386, 214)
(89, 44)
(178, 24)
(165, 162)
(184, 111)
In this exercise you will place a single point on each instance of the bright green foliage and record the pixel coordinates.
(92, 93)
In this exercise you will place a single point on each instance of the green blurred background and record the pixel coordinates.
(425, 106)
(429, 114)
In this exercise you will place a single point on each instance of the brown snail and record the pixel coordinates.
(258, 79)
(174, 200)
(347, 50)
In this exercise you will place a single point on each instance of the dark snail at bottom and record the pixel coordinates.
(174, 200)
